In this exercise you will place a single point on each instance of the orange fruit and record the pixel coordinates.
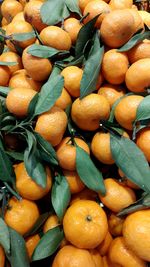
(22, 98)
(72, 78)
(19, 16)
(90, 224)
(85, 194)
(32, 14)
(115, 225)
(22, 79)
(145, 17)
(114, 66)
(4, 22)
(12, 57)
(50, 223)
(120, 254)
(9, 8)
(66, 152)
(4, 75)
(125, 111)
(96, 258)
(136, 232)
(138, 83)
(64, 100)
(112, 92)
(56, 37)
(126, 181)
(140, 51)
(71, 256)
(21, 215)
(138, 22)
(120, 4)
(33, 65)
(99, 80)
(117, 28)
(87, 112)
(82, 4)
(104, 246)
(117, 196)
(28, 188)
(19, 27)
(74, 181)
(31, 243)
(94, 8)
(51, 125)
(72, 26)
(2, 257)
(142, 141)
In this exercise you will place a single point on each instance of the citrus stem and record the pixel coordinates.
(89, 218)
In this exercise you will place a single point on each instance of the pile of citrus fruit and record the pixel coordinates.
(75, 133)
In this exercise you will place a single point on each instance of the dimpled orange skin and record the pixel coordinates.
(114, 66)
(138, 83)
(117, 28)
(4, 75)
(136, 232)
(12, 57)
(2, 257)
(115, 225)
(120, 254)
(56, 37)
(33, 65)
(32, 14)
(21, 97)
(100, 147)
(71, 256)
(9, 8)
(28, 188)
(31, 243)
(85, 194)
(138, 22)
(64, 100)
(72, 78)
(74, 181)
(104, 246)
(125, 111)
(140, 51)
(96, 257)
(50, 223)
(143, 142)
(94, 8)
(120, 4)
(51, 125)
(87, 220)
(22, 215)
(87, 112)
(117, 196)
(112, 92)
(72, 26)
(66, 152)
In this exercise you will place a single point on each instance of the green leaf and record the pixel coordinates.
(88, 172)
(136, 39)
(2, 46)
(85, 33)
(49, 93)
(92, 68)
(15, 155)
(4, 63)
(4, 90)
(43, 51)
(143, 110)
(60, 195)
(48, 244)
(131, 160)
(33, 162)
(20, 37)
(112, 113)
(32, 106)
(73, 6)
(52, 11)
(6, 168)
(4, 236)
(19, 257)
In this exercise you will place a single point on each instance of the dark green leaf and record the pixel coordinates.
(15, 155)
(33, 162)
(4, 63)
(6, 168)
(52, 11)
(60, 195)
(4, 236)
(19, 257)
(137, 38)
(85, 33)
(75, 61)
(43, 51)
(47, 152)
(112, 113)
(49, 93)
(4, 90)
(91, 69)
(88, 173)
(131, 160)
(32, 106)
(48, 244)
(143, 110)
(73, 6)
(2, 46)
(20, 37)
